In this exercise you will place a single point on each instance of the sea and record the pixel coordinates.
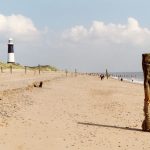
(134, 77)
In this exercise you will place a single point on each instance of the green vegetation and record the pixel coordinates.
(18, 66)
(44, 68)
(7, 65)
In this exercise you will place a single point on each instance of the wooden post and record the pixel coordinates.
(107, 74)
(75, 72)
(1, 70)
(66, 72)
(39, 69)
(146, 72)
(11, 69)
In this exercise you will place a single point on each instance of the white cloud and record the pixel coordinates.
(18, 27)
(130, 33)
(117, 47)
(76, 33)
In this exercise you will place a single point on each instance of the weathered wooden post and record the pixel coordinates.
(11, 69)
(75, 72)
(146, 72)
(66, 71)
(39, 69)
(1, 70)
(107, 75)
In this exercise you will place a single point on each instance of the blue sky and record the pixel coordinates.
(59, 14)
(66, 30)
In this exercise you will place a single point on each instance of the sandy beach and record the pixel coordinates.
(70, 113)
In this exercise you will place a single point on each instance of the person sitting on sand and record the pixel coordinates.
(102, 76)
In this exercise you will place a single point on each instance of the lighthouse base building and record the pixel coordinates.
(11, 58)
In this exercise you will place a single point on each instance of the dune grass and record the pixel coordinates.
(18, 66)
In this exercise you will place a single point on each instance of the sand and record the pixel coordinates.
(71, 113)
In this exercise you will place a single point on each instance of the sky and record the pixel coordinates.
(89, 35)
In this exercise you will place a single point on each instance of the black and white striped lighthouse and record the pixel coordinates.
(11, 56)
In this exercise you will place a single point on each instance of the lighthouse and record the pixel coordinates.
(11, 56)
